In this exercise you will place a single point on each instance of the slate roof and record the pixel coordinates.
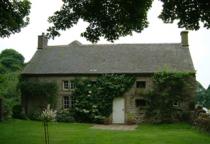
(76, 58)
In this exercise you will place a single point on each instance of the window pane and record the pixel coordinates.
(140, 102)
(66, 102)
(72, 85)
(140, 84)
(65, 85)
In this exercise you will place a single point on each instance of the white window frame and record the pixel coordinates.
(67, 102)
(64, 86)
(71, 85)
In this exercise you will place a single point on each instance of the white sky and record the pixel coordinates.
(25, 42)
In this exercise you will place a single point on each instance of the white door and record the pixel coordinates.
(118, 115)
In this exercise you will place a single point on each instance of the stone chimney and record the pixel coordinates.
(184, 36)
(42, 41)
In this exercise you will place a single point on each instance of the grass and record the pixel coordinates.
(31, 132)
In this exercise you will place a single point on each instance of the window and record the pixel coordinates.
(140, 102)
(66, 102)
(176, 104)
(68, 85)
(65, 85)
(72, 85)
(140, 84)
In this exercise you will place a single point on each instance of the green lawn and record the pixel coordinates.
(30, 132)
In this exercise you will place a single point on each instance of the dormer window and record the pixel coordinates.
(141, 84)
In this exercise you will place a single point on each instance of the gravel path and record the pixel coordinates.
(115, 127)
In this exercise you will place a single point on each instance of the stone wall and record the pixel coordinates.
(133, 111)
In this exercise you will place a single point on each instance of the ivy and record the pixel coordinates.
(93, 99)
(170, 89)
(40, 90)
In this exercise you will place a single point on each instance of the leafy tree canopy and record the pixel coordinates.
(10, 60)
(188, 12)
(203, 95)
(112, 19)
(13, 16)
(200, 94)
(208, 97)
(108, 18)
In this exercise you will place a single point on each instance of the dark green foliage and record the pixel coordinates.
(170, 89)
(10, 61)
(207, 103)
(93, 100)
(43, 93)
(188, 12)
(203, 122)
(112, 19)
(65, 116)
(13, 16)
(2, 69)
(9, 92)
(107, 18)
(17, 112)
(202, 96)
(35, 115)
(47, 91)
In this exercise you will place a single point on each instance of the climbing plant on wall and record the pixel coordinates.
(93, 99)
(170, 92)
(40, 90)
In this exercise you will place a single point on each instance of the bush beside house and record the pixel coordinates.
(172, 98)
(203, 122)
(42, 94)
(65, 116)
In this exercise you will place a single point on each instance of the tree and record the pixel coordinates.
(188, 12)
(108, 18)
(11, 60)
(9, 91)
(13, 16)
(207, 104)
(112, 19)
(203, 95)
(200, 94)
(11, 63)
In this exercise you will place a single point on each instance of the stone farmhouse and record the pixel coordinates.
(63, 63)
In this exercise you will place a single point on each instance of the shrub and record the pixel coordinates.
(203, 122)
(48, 114)
(65, 116)
(170, 88)
(187, 116)
(9, 92)
(45, 91)
(35, 115)
(17, 112)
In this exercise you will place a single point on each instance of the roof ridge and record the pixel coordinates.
(79, 44)
(130, 44)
